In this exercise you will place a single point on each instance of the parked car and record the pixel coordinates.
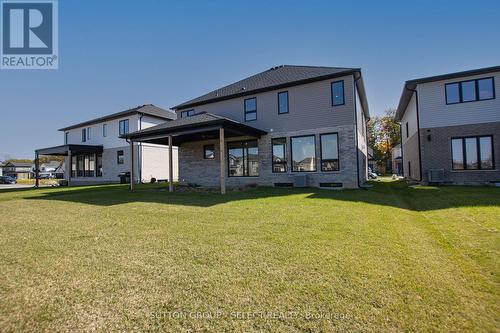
(371, 174)
(7, 180)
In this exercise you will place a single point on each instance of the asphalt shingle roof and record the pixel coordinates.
(274, 78)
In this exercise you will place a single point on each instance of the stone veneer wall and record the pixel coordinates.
(194, 169)
(436, 153)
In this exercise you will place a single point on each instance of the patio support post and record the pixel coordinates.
(131, 165)
(36, 170)
(170, 165)
(222, 162)
(70, 162)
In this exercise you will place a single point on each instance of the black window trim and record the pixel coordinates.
(253, 111)
(327, 160)
(343, 92)
(188, 113)
(244, 166)
(476, 87)
(287, 102)
(118, 157)
(120, 126)
(205, 149)
(478, 151)
(84, 134)
(285, 163)
(407, 131)
(291, 153)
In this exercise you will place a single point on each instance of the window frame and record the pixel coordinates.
(321, 153)
(245, 166)
(118, 157)
(476, 87)
(315, 154)
(66, 136)
(478, 152)
(123, 121)
(205, 150)
(252, 111)
(407, 130)
(89, 132)
(187, 113)
(332, 94)
(84, 135)
(287, 102)
(285, 163)
(104, 130)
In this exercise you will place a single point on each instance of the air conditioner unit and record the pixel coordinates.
(435, 175)
(300, 181)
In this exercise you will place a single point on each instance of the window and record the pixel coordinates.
(243, 159)
(407, 131)
(84, 166)
(66, 135)
(279, 155)
(88, 133)
(73, 166)
(209, 152)
(283, 102)
(120, 159)
(123, 127)
(84, 135)
(188, 113)
(337, 93)
(469, 91)
(329, 152)
(303, 153)
(409, 169)
(472, 153)
(98, 171)
(104, 130)
(250, 109)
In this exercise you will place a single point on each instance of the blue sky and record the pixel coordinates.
(119, 54)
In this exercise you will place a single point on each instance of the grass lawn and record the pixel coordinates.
(391, 258)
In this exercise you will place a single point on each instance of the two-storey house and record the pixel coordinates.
(18, 170)
(286, 126)
(450, 127)
(95, 153)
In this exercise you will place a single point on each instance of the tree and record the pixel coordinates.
(383, 135)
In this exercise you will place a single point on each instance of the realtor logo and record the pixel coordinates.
(29, 35)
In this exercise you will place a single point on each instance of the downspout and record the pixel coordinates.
(418, 135)
(356, 128)
(402, 156)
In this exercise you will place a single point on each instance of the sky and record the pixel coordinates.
(117, 54)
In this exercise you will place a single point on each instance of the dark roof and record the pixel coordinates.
(201, 121)
(147, 109)
(410, 85)
(271, 79)
(63, 150)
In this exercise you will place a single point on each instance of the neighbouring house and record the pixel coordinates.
(397, 160)
(18, 170)
(371, 160)
(53, 168)
(450, 127)
(95, 153)
(286, 126)
(1, 168)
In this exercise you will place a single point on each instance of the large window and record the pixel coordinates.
(283, 102)
(123, 127)
(279, 154)
(337, 93)
(84, 166)
(472, 153)
(243, 159)
(329, 152)
(120, 158)
(98, 170)
(251, 109)
(84, 135)
(303, 153)
(187, 113)
(88, 133)
(470, 91)
(209, 152)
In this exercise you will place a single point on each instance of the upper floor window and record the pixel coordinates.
(84, 134)
(472, 153)
(104, 130)
(251, 109)
(88, 133)
(329, 152)
(123, 126)
(283, 102)
(187, 113)
(279, 154)
(470, 91)
(337, 93)
(303, 153)
(66, 135)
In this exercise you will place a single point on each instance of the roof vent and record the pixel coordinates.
(276, 67)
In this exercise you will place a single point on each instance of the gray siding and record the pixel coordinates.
(434, 112)
(310, 106)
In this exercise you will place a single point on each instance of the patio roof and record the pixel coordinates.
(65, 149)
(202, 126)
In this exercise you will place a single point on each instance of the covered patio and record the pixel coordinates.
(200, 127)
(65, 150)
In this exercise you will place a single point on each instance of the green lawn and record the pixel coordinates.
(391, 258)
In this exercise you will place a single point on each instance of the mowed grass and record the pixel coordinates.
(391, 258)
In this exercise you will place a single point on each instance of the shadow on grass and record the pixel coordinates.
(393, 194)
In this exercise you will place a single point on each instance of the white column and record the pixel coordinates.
(222, 154)
(131, 165)
(170, 165)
